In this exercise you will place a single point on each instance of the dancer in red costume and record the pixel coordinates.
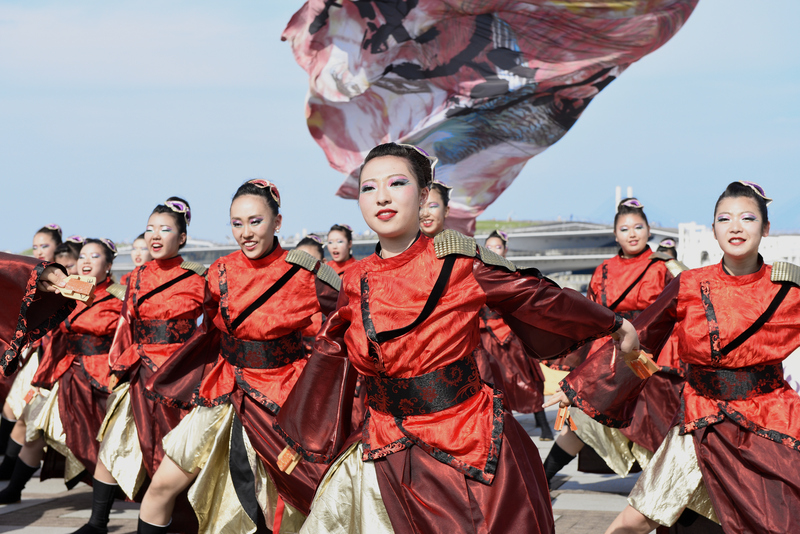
(435, 209)
(237, 371)
(438, 450)
(733, 455)
(76, 360)
(312, 244)
(340, 245)
(626, 284)
(512, 370)
(162, 303)
(15, 384)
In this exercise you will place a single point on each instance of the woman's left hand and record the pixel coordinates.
(626, 338)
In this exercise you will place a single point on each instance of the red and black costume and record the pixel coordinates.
(25, 315)
(249, 351)
(410, 325)
(162, 304)
(77, 358)
(340, 268)
(736, 404)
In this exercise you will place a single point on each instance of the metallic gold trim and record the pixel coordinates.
(676, 267)
(312, 264)
(329, 276)
(783, 271)
(198, 268)
(492, 258)
(449, 242)
(117, 291)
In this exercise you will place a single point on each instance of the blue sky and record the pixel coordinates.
(108, 108)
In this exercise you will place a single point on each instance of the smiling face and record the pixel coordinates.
(433, 214)
(92, 262)
(162, 237)
(632, 233)
(140, 254)
(44, 247)
(254, 225)
(390, 200)
(338, 246)
(738, 228)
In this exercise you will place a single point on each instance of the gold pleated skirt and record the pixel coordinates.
(120, 451)
(611, 445)
(348, 500)
(22, 384)
(672, 482)
(42, 419)
(202, 440)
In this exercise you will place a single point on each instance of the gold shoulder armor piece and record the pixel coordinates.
(660, 256)
(117, 291)
(196, 267)
(449, 242)
(312, 264)
(783, 271)
(492, 258)
(675, 267)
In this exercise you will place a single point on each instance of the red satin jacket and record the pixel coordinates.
(549, 320)
(705, 309)
(88, 328)
(182, 301)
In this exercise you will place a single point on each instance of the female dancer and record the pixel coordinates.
(140, 255)
(435, 209)
(438, 449)
(340, 245)
(75, 368)
(513, 371)
(736, 441)
(162, 303)
(15, 384)
(258, 301)
(312, 244)
(67, 253)
(626, 284)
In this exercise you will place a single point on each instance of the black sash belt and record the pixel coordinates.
(735, 384)
(270, 354)
(88, 345)
(156, 332)
(425, 394)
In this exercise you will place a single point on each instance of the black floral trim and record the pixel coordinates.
(135, 293)
(373, 347)
(23, 336)
(590, 410)
(224, 298)
(603, 295)
(170, 401)
(713, 326)
(313, 457)
(92, 381)
(368, 453)
(772, 435)
(256, 395)
(666, 369)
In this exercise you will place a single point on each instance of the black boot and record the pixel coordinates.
(10, 459)
(21, 475)
(541, 422)
(148, 528)
(556, 461)
(6, 426)
(102, 502)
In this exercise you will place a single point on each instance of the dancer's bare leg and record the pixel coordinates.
(569, 441)
(631, 521)
(32, 452)
(168, 482)
(102, 473)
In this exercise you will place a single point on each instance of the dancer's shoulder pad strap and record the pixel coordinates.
(117, 291)
(312, 264)
(783, 271)
(196, 267)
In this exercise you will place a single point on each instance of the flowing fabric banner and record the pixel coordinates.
(484, 85)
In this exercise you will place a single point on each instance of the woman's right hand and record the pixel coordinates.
(51, 280)
(561, 398)
(626, 338)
